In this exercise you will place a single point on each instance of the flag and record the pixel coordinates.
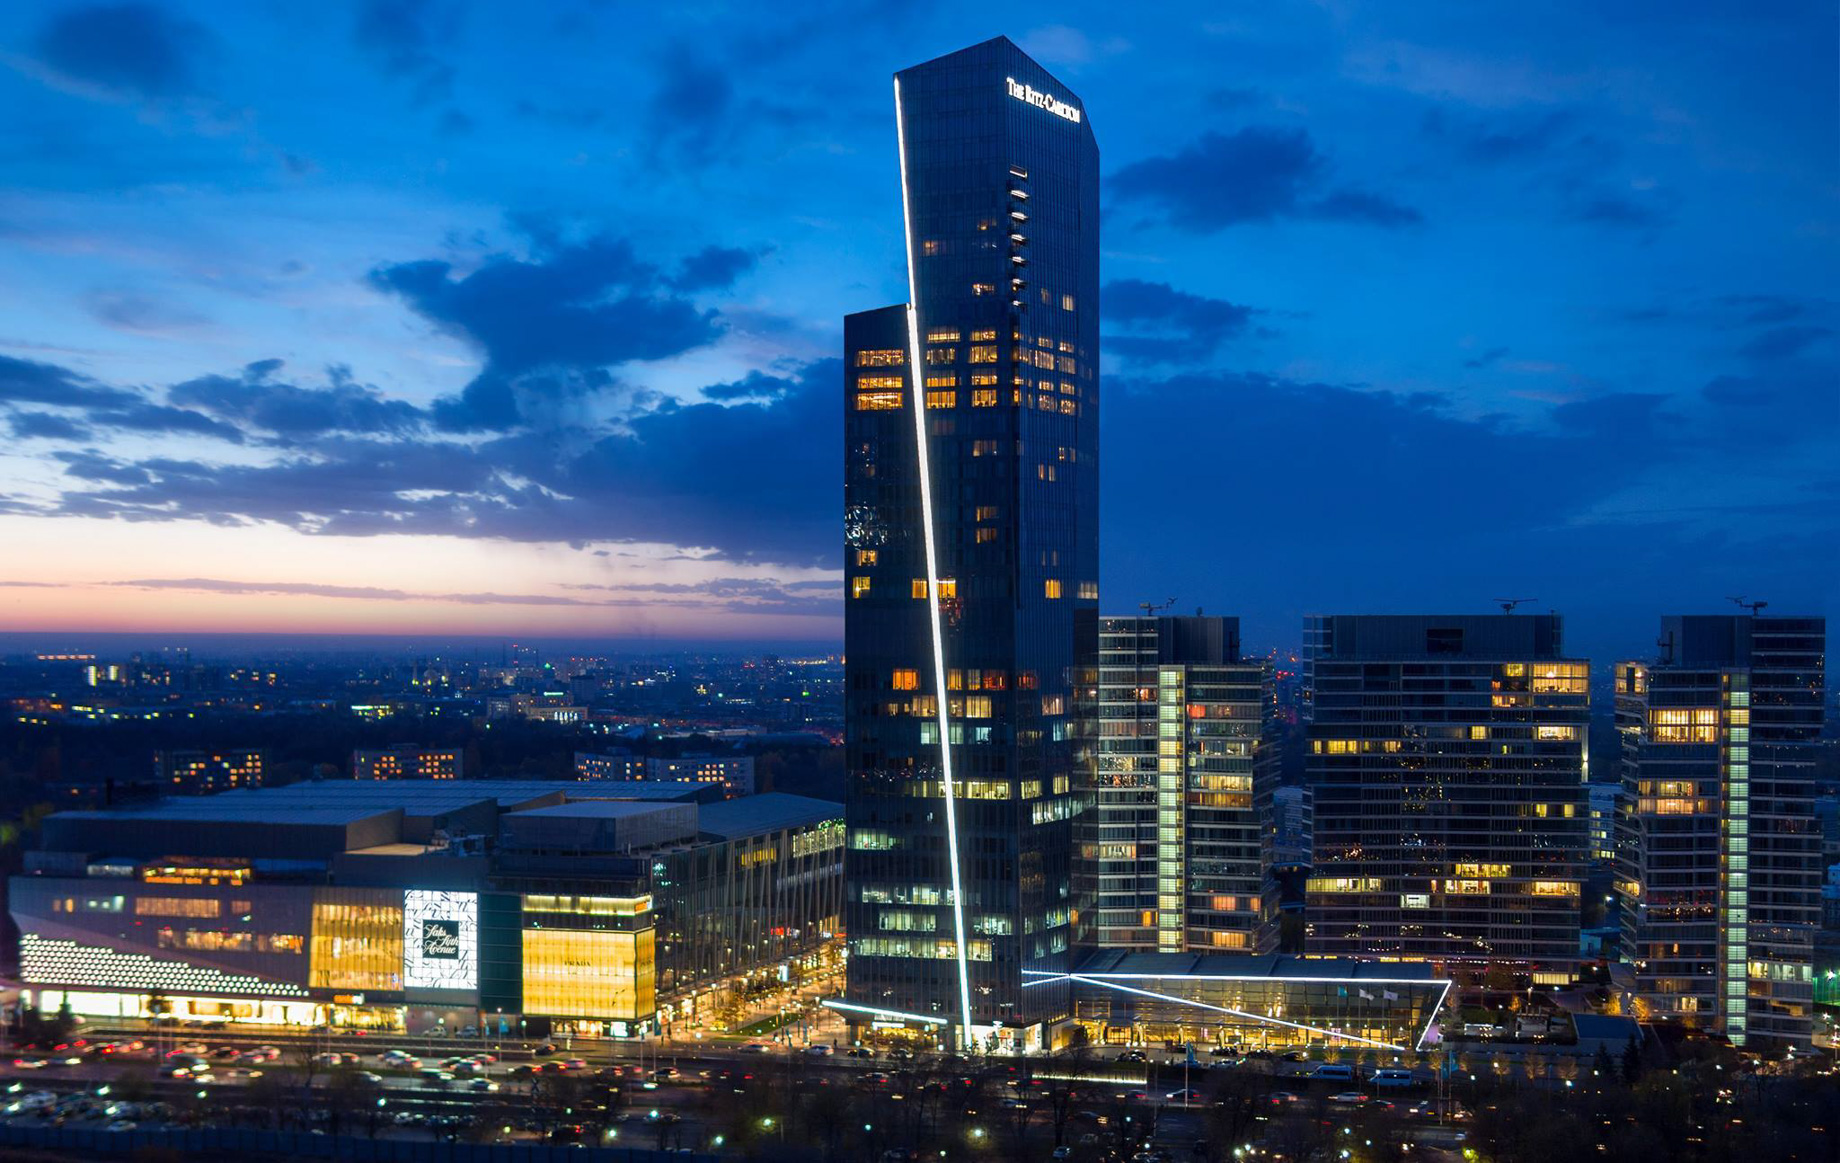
(1367, 995)
(1389, 995)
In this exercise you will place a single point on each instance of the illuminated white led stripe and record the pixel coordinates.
(1245, 977)
(881, 1013)
(1239, 1013)
(1048, 977)
(932, 567)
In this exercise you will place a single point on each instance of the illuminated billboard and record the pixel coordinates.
(440, 940)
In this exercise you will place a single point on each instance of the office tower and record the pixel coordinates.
(1721, 874)
(1171, 844)
(1447, 761)
(971, 555)
(408, 761)
(197, 773)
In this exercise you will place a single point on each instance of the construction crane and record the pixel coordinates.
(1754, 608)
(1150, 608)
(1507, 604)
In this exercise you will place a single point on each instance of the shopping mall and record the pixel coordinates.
(508, 906)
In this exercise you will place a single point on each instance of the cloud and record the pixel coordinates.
(690, 114)
(1492, 355)
(138, 50)
(46, 426)
(754, 480)
(256, 400)
(1598, 206)
(714, 268)
(1167, 325)
(549, 325)
(1257, 174)
(1499, 139)
(25, 381)
(139, 314)
(1783, 342)
(401, 37)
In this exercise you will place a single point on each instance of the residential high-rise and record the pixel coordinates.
(198, 773)
(1720, 845)
(971, 555)
(407, 761)
(1447, 763)
(1172, 843)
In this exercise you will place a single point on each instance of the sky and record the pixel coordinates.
(418, 317)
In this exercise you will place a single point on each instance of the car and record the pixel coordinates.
(754, 1048)
(1133, 1056)
(901, 1054)
(1224, 1052)
(243, 1073)
(176, 1070)
(327, 1060)
(574, 1063)
(1063, 1152)
(368, 1079)
(1348, 1098)
(30, 1063)
(666, 1074)
(122, 1125)
(1334, 1072)
(1183, 1096)
(859, 1052)
(545, 1048)
(1296, 1056)
(469, 1031)
(485, 1058)
(482, 1085)
(526, 1069)
(820, 1050)
(1392, 1077)
(877, 1078)
(190, 1048)
(429, 1076)
(1281, 1097)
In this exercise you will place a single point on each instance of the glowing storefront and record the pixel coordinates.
(1252, 1002)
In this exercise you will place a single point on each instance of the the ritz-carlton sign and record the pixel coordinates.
(1041, 100)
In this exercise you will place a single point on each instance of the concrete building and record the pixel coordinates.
(1721, 846)
(197, 773)
(407, 761)
(503, 905)
(1447, 761)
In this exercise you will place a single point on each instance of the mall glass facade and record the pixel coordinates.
(971, 550)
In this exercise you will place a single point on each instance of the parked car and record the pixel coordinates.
(1393, 1078)
(1334, 1072)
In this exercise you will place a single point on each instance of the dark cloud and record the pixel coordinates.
(1601, 207)
(691, 113)
(142, 416)
(46, 426)
(714, 268)
(25, 381)
(256, 400)
(1506, 138)
(548, 325)
(725, 595)
(1784, 343)
(128, 311)
(402, 37)
(755, 480)
(1764, 308)
(138, 50)
(1167, 325)
(753, 386)
(1488, 357)
(1257, 174)
(1621, 415)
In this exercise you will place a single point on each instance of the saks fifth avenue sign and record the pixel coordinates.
(1041, 100)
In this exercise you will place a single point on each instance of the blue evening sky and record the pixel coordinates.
(524, 318)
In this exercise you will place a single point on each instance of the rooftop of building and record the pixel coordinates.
(1120, 962)
(769, 812)
(232, 808)
(597, 810)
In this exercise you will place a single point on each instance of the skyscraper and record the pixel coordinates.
(971, 554)
(1447, 761)
(1172, 851)
(1721, 852)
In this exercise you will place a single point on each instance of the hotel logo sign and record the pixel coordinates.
(1033, 96)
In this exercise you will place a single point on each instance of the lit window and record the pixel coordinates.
(984, 336)
(984, 353)
(1052, 587)
(983, 397)
(881, 357)
(948, 589)
(986, 536)
(942, 381)
(919, 588)
(942, 399)
(942, 355)
(942, 335)
(1066, 302)
(878, 401)
(865, 556)
(905, 680)
(859, 586)
(1478, 732)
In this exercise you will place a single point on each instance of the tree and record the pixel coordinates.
(1632, 1061)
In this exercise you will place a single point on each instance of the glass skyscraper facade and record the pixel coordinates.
(1721, 853)
(1173, 844)
(1447, 762)
(971, 555)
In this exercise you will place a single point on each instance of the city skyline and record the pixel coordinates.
(568, 400)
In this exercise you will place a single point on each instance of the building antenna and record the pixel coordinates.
(1754, 608)
(1507, 604)
(1150, 608)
